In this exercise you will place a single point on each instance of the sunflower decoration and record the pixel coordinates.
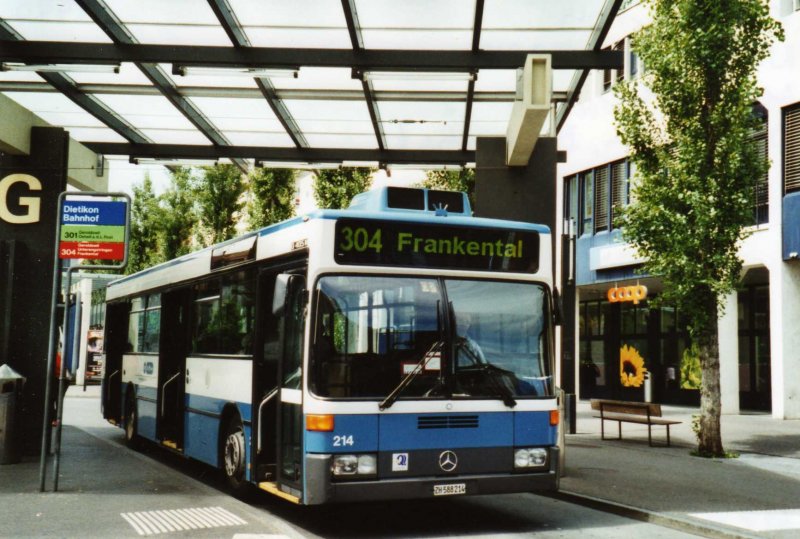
(631, 367)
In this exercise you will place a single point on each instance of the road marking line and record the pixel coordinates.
(757, 521)
(171, 520)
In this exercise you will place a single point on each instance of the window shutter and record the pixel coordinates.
(601, 199)
(791, 150)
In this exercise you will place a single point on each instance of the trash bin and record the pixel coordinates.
(10, 387)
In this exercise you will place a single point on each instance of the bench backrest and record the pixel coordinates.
(626, 407)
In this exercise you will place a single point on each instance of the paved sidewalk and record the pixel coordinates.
(755, 495)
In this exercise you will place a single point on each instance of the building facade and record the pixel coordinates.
(619, 336)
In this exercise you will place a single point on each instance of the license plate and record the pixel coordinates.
(450, 490)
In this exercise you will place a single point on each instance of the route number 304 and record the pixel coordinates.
(360, 240)
(345, 440)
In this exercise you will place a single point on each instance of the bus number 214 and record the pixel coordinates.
(343, 441)
(360, 240)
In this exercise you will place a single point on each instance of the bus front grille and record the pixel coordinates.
(447, 422)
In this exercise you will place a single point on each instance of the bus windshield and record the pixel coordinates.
(456, 338)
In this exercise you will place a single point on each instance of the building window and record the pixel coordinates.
(620, 72)
(571, 202)
(633, 62)
(761, 195)
(587, 204)
(791, 149)
(619, 189)
(607, 76)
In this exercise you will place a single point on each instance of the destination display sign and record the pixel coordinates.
(92, 230)
(392, 243)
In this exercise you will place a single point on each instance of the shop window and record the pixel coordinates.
(594, 367)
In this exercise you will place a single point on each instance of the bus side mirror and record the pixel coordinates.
(558, 308)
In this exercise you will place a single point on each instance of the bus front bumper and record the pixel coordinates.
(322, 489)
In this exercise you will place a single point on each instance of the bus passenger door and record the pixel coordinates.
(172, 367)
(116, 338)
(290, 405)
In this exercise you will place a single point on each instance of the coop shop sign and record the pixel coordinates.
(30, 205)
(620, 294)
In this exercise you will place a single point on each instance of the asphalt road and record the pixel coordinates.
(173, 482)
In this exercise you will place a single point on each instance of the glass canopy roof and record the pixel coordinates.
(318, 110)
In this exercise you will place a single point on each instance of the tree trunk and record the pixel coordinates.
(709, 436)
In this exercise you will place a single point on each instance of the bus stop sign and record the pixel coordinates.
(92, 230)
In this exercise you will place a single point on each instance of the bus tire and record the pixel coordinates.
(131, 430)
(233, 455)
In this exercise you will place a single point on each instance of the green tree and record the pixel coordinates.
(273, 196)
(695, 166)
(452, 180)
(219, 192)
(334, 189)
(143, 250)
(179, 215)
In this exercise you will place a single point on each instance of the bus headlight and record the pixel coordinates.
(530, 457)
(354, 465)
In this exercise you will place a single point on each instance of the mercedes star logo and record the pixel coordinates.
(448, 461)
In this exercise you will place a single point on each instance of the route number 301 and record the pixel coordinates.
(359, 240)
(343, 441)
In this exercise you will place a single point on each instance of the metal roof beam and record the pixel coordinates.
(310, 155)
(51, 52)
(357, 41)
(286, 93)
(604, 21)
(89, 103)
(476, 45)
(227, 18)
(113, 27)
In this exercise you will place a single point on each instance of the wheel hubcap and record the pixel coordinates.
(233, 454)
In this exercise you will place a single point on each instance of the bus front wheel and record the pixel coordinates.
(233, 455)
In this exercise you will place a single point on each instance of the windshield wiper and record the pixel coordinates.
(432, 352)
(505, 394)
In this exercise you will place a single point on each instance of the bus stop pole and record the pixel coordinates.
(51, 351)
(61, 385)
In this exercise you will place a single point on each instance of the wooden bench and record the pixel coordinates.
(643, 413)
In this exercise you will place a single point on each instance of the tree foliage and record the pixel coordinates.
(452, 180)
(179, 216)
(334, 189)
(143, 249)
(688, 133)
(219, 192)
(272, 196)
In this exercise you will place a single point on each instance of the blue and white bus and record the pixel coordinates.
(400, 348)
